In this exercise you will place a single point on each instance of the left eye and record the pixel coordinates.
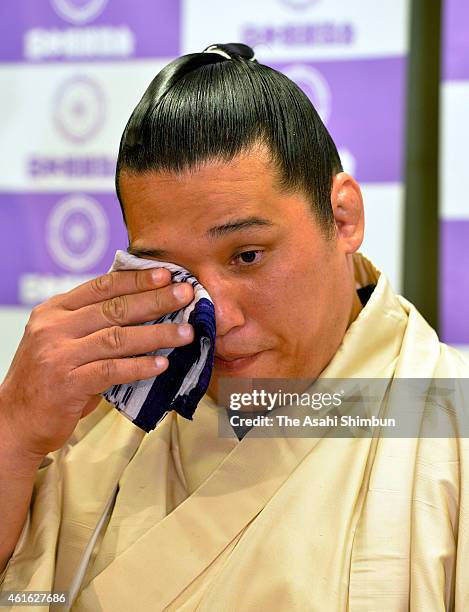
(249, 257)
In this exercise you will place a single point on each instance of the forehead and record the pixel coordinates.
(214, 193)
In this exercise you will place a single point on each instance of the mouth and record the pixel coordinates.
(235, 362)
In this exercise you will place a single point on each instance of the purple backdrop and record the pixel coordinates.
(42, 233)
(89, 29)
(454, 231)
(367, 121)
(455, 62)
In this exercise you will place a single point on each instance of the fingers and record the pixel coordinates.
(130, 309)
(98, 376)
(114, 342)
(114, 284)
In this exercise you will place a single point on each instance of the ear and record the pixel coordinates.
(347, 206)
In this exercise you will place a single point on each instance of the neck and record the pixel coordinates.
(356, 308)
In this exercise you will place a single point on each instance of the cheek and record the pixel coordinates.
(305, 297)
(266, 295)
(276, 302)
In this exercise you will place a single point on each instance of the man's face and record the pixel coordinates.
(282, 290)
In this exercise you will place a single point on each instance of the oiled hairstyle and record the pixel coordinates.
(204, 107)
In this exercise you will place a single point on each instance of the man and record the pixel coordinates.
(226, 169)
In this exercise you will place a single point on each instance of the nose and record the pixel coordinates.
(228, 311)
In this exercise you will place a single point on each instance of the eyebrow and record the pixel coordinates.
(237, 225)
(217, 231)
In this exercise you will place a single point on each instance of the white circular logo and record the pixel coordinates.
(79, 108)
(79, 12)
(77, 233)
(314, 85)
(300, 4)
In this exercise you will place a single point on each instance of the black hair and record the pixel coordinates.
(216, 105)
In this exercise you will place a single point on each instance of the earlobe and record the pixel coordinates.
(347, 207)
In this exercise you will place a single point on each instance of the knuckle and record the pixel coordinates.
(115, 310)
(158, 303)
(136, 368)
(71, 380)
(56, 299)
(36, 329)
(37, 312)
(103, 285)
(107, 369)
(48, 360)
(113, 338)
(139, 280)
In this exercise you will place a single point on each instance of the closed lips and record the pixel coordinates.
(234, 357)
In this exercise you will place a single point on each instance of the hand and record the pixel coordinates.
(78, 344)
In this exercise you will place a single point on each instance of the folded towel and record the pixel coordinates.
(182, 385)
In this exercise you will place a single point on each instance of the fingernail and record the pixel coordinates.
(160, 362)
(180, 292)
(185, 331)
(157, 275)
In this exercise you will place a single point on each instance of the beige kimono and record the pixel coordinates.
(196, 521)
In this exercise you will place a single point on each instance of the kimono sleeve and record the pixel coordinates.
(32, 563)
